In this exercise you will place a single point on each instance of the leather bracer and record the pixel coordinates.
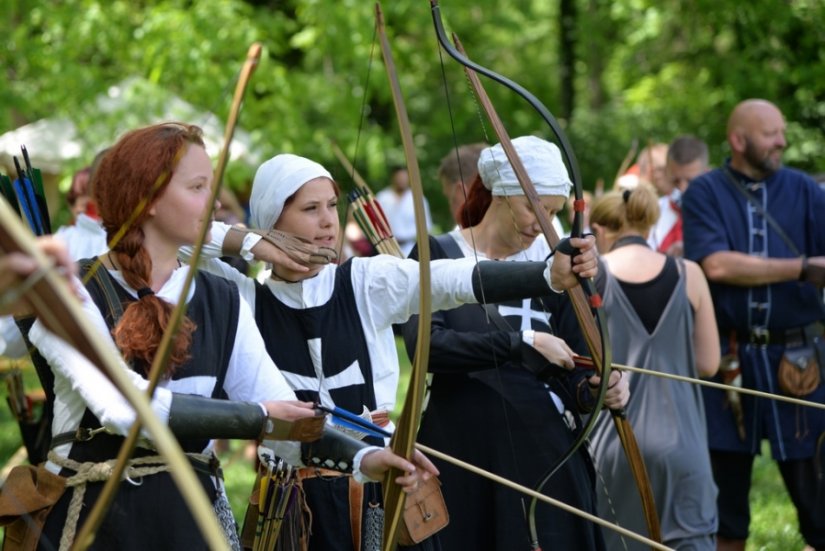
(503, 281)
(197, 417)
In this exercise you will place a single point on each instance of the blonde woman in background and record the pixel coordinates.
(660, 317)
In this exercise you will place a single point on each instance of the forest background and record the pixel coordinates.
(612, 71)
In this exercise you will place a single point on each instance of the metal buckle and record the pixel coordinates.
(84, 434)
(132, 481)
(760, 336)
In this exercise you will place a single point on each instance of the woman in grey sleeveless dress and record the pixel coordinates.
(660, 318)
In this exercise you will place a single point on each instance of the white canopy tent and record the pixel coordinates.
(134, 102)
(50, 143)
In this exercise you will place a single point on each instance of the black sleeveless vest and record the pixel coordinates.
(337, 324)
(214, 310)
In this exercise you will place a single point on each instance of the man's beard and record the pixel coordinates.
(763, 163)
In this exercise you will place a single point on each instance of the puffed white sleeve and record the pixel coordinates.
(76, 376)
(387, 288)
(12, 344)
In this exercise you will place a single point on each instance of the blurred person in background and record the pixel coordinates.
(687, 158)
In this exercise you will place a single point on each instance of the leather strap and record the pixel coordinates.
(356, 511)
(233, 241)
(80, 435)
(356, 498)
(314, 472)
(102, 277)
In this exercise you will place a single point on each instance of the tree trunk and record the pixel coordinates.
(567, 47)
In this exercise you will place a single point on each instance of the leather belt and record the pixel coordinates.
(763, 337)
(82, 434)
(315, 472)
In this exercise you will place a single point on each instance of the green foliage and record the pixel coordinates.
(643, 70)
(774, 524)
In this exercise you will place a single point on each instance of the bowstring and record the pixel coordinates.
(342, 224)
(496, 364)
(363, 109)
(361, 119)
(609, 500)
(596, 468)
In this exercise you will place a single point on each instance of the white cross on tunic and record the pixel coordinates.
(350, 376)
(526, 313)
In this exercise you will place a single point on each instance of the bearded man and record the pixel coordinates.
(758, 230)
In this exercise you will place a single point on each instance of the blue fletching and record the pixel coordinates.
(348, 419)
(28, 186)
(25, 206)
(352, 426)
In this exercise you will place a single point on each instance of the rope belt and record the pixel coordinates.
(90, 471)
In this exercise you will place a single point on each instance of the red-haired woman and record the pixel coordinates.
(155, 185)
(495, 400)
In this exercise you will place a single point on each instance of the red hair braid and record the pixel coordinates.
(132, 175)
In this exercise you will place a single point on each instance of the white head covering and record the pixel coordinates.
(541, 159)
(276, 181)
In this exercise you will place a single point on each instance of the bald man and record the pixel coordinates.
(758, 230)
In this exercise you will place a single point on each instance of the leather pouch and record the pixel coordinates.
(799, 371)
(25, 502)
(425, 513)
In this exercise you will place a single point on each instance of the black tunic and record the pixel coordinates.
(486, 409)
(288, 333)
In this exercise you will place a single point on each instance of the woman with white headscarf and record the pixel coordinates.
(495, 401)
(330, 327)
